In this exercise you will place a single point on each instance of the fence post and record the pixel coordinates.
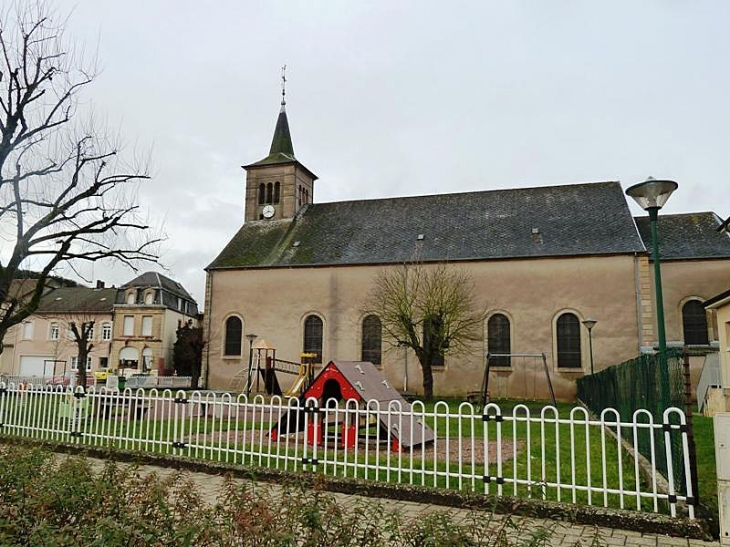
(690, 427)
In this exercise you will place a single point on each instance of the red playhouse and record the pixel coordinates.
(362, 382)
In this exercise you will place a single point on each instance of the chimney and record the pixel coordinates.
(99, 284)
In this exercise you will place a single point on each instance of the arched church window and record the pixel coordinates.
(262, 193)
(306, 195)
(372, 335)
(277, 192)
(568, 335)
(498, 340)
(313, 329)
(694, 323)
(269, 193)
(234, 334)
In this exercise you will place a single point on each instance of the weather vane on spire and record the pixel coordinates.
(283, 85)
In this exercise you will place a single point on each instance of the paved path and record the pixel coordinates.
(563, 534)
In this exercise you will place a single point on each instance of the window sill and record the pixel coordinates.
(501, 369)
(232, 357)
(570, 370)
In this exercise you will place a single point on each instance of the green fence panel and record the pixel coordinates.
(634, 385)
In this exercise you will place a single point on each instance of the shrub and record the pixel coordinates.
(47, 499)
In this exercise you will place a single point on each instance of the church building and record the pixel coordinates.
(298, 273)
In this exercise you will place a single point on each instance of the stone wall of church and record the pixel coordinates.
(684, 280)
(273, 304)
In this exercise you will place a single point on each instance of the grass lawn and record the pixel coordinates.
(706, 469)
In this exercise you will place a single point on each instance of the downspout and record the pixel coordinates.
(637, 296)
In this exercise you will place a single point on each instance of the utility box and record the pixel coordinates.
(722, 457)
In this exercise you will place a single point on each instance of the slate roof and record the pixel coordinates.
(78, 300)
(157, 280)
(576, 219)
(687, 236)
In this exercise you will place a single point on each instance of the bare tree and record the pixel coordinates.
(429, 309)
(66, 197)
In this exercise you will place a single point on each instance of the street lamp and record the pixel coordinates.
(651, 195)
(250, 337)
(589, 324)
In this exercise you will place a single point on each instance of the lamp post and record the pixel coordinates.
(250, 337)
(651, 195)
(589, 324)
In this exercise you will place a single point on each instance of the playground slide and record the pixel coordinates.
(296, 388)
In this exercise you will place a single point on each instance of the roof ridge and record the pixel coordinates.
(495, 190)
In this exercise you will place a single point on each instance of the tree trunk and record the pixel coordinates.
(83, 356)
(425, 360)
(194, 376)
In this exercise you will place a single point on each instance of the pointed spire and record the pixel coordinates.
(282, 149)
(281, 143)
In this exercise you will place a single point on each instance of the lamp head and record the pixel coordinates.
(652, 193)
(251, 337)
(589, 323)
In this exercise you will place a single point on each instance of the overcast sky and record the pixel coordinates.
(404, 98)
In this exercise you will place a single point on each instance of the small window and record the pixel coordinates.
(313, 330)
(53, 332)
(569, 346)
(149, 298)
(262, 194)
(128, 325)
(694, 324)
(498, 340)
(234, 335)
(90, 328)
(28, 330)
(372, 334)
(130, 298)
(106, 331)
(147, 359)
(179, 303)
(277, 192)
(432, 343)
(103, 362)
(75, 363)
(147, 325)
(269, 193)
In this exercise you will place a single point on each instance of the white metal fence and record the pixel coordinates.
(543, 453)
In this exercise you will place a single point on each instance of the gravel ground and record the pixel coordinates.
(469, 449)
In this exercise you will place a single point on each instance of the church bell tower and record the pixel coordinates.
(278, 185)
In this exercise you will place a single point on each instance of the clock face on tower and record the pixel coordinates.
(268, 211)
